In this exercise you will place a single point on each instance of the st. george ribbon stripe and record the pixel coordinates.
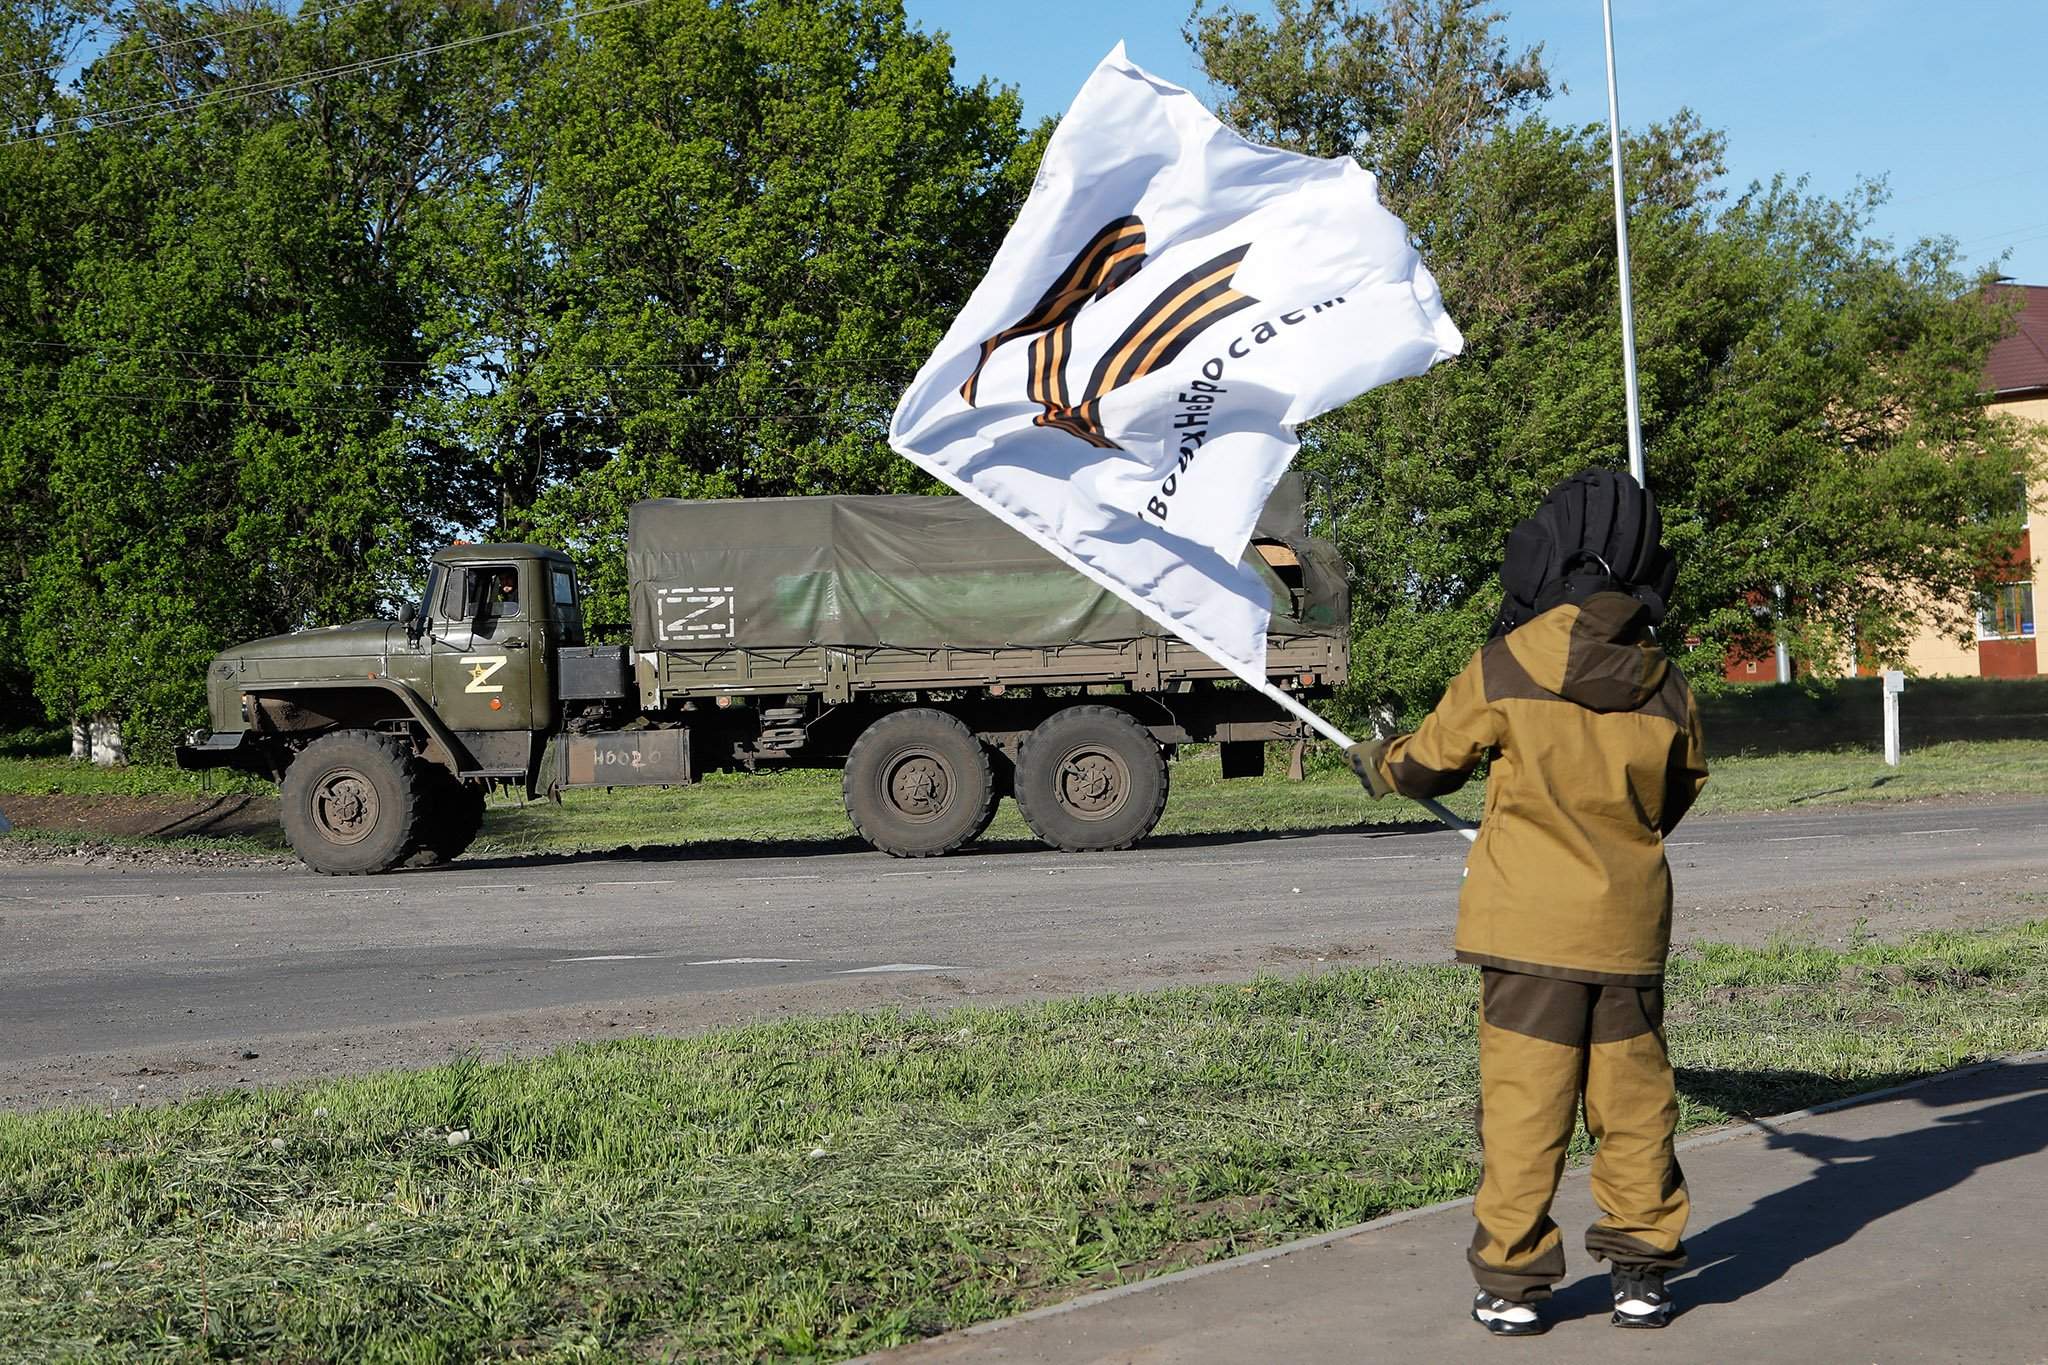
(1133, 355)
(1154, 338)
(1110, 257)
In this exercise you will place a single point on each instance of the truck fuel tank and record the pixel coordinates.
(624, 758)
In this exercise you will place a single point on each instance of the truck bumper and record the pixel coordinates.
(219, 749)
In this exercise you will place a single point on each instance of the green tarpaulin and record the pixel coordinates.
(912, 572)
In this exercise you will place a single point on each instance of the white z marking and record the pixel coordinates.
(484, 666)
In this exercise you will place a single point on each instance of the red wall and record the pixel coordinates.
(2008, 658)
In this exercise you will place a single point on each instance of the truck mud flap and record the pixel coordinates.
(624, 758)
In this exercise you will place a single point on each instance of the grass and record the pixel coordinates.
(814, 1188)
(37, 762)
(2009, 767)
(803, 807)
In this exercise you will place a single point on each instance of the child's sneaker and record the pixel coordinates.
(1639, 1297)
(1506, 1319)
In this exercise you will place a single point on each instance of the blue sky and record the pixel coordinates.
(1943, 99)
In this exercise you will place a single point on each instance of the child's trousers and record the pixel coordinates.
(1543, 1044)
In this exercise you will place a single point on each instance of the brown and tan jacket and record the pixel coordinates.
(1596, 755)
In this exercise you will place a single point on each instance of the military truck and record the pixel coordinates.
(939, 658)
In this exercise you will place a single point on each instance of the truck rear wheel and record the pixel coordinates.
(451, 814)
(1091, 779)
(351, 802)
(918, 784)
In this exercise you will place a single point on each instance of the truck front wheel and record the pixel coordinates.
(918, 784)
(1091, 779)
(351, 802)
(451, 816)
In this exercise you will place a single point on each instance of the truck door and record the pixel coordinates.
(487, 639)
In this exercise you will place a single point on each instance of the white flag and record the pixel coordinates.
(1123, 386)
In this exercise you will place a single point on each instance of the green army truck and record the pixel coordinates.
(942, 660)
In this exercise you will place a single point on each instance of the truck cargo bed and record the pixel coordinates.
(841, 596)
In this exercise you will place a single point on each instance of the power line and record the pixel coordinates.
(424, 387)
(908, 362)
(159, 108)
(394, 410)
(212, 37)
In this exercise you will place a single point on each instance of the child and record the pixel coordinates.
(1566, 908)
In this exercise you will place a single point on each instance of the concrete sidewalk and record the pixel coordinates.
(1907, 1228)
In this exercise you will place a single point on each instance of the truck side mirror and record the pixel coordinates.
(408, 613)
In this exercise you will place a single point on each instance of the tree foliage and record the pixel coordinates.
(1809, 394)
(285, 300)
(266, 335)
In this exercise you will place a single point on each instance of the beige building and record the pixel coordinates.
(2006, 645)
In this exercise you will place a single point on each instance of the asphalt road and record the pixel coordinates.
(173, 974)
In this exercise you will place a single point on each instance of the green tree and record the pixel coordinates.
(287, 299)
(1810, 403)
(35, 40)
(721, 239)
(225, 339)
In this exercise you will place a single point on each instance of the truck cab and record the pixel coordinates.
(420, 715)
(490, 625)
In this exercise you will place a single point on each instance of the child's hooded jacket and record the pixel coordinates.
(1596, 755)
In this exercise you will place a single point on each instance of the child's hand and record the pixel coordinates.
(1365, 761)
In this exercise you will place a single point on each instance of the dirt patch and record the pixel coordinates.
(158, 817)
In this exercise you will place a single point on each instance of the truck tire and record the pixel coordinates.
(451, 815)
(352, 801)
(1090, 779)
(917, 784)
(1003, 776)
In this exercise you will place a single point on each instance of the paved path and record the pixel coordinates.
(1905, 1230)
(110, 974)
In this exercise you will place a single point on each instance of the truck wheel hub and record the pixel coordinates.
(345, 806)
(918, 786)
(1093, 784)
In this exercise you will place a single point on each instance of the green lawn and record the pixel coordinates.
(37, 762)
(802, 808)
(818, 1187)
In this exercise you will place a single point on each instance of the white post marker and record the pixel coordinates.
(1628, 314)
(1894, 684)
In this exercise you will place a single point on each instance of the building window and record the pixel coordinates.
(2008, 613)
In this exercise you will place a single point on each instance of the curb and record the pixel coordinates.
(1712, 1137)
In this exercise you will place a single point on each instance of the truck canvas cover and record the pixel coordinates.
(912, 572)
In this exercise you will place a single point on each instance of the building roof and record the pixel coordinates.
(2019, 363)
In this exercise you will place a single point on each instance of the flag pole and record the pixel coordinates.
(1344, 741)
(1628, 319)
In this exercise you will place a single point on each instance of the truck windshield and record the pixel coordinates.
(491, 591)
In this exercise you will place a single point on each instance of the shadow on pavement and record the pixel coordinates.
(1854, 1184)
(725, 850)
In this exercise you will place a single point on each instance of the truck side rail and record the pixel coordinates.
(1146, 664)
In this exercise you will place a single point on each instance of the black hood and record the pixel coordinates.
(1596, 532)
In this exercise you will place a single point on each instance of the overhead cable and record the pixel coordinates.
(265, 22)
(114, 118)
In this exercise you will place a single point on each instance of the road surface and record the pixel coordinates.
(125, 980)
